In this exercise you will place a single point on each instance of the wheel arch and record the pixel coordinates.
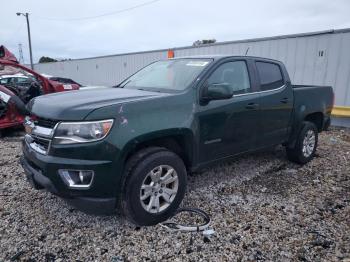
(316, 118)
(179, 141)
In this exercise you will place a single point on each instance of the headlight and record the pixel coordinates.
(81, 132)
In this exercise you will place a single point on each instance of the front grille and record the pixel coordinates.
(41, 142)
(39, 134)
(46, 122)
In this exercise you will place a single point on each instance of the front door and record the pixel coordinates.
(227, 127)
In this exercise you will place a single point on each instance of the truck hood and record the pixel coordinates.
(76, 105)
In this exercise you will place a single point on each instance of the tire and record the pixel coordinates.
(327, 125)
(301, 153)
(148, 175)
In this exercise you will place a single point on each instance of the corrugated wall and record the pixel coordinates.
(317, 58)
(322, 59)
(108, 70)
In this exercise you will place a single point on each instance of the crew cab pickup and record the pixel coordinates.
(131, 147)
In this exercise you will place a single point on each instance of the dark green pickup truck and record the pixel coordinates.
(131, 147)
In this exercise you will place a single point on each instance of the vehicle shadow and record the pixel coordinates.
(12, 134)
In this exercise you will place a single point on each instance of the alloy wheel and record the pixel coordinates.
(309, 143)
(159, 189)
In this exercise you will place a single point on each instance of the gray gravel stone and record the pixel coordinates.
(262, 208)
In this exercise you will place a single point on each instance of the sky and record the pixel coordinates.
(70, 28)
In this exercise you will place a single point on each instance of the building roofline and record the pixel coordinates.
(249, 40)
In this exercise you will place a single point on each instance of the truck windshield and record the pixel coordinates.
(173, 75)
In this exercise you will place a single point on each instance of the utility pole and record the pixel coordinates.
(29, 39)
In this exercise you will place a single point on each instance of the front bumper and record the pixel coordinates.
(42, 173)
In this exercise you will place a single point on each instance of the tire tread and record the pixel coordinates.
(133, 168)
(294, 154)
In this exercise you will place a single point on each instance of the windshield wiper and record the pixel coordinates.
(149, 90)
(120, 84)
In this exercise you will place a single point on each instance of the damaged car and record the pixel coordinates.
(18, 85)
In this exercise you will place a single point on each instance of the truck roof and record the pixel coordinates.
(218, 57)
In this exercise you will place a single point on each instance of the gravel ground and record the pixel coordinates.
(262, 208)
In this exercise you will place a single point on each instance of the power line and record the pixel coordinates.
(101, 15)
(15, 32)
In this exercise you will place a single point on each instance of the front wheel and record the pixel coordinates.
(155, 186)
(306, 144)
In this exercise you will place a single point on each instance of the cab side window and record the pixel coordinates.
(235, 74)
(270, 75)
(22, 80)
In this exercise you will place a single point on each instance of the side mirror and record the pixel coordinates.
(217, 91)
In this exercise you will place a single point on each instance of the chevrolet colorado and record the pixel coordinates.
(130, 148)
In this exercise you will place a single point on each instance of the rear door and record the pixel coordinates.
(276, 103)
(230, 126)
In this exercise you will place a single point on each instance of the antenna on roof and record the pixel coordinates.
(246, 52)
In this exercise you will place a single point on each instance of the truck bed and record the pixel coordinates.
(303, 86)
(312, 95)
(309, 99)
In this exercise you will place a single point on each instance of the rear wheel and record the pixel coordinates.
(306, 144)
(155, 186)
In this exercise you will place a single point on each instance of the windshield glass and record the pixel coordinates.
(174, 75)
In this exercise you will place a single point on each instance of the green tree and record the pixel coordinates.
(46, 59)
(204, 42)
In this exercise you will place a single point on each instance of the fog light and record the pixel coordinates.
(78, 179)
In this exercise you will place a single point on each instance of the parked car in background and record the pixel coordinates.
(17, 79)
(62, 80)
(65, 81)
(131, 147)
(19, 87)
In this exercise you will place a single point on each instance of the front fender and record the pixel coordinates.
(184, 134)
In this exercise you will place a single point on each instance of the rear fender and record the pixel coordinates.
(299, 117)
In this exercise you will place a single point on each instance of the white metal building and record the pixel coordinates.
(318, 58)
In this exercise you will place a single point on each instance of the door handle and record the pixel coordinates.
(252, 106)
(284, 100)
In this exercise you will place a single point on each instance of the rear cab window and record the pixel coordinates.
(270, 75)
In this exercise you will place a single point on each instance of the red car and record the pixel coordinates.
(13, 97)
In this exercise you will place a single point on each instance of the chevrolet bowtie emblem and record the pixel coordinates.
(28, 125)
